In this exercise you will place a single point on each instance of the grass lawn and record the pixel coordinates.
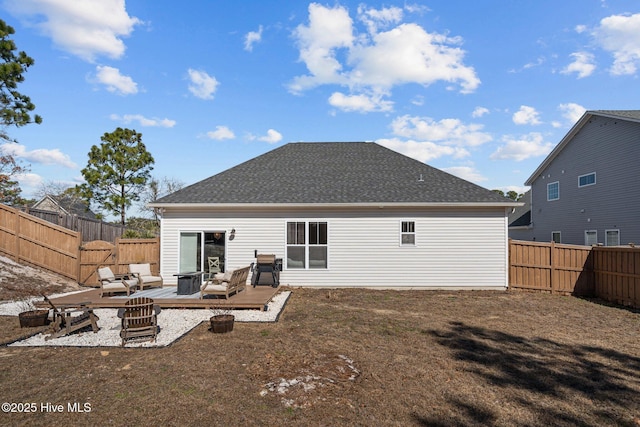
(354, 357)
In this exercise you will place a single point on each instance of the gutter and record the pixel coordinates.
(203, 206)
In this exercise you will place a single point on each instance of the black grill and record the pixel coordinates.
(267, 264)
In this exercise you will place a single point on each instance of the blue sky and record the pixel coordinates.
(481, 89)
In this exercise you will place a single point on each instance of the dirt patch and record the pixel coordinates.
(357, 357)
(19, 281)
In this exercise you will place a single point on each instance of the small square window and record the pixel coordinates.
(613, 237)
(408, 233)
(590, 237)
(553, 191)
(555, 237)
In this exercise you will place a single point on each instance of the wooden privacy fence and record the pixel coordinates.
(90, 229)
(617, 274)
(609, 273)
(550, 267)
(34, 241)
(30, 240)
(117, 256)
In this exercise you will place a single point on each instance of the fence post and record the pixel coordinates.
(553, 266)
(79, 255)
(116, 253)
(16, 255)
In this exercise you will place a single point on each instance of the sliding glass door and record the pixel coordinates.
(202, 251)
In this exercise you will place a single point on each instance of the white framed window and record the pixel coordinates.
(553, 191)
(590, 237)
(556, 237)
(307, 245)
(408, 233)
(588, 179)
(612, 237)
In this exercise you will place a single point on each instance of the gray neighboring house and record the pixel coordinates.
(341, 214)
(520, 217)
(586, 191)
(64, 205)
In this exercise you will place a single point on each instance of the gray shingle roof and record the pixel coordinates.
(623, 114)
(332, 173)
(629, 115)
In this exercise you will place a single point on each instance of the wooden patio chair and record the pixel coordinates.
(64, 322)
(142, 272)
(110, 283)
(232, 281)
(139, 319)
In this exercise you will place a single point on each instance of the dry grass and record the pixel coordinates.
(356, 357)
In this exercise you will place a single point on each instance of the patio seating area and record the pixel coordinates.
(171, 324)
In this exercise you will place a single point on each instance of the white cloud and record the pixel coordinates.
(328, 30)
(423, 151)
(479, 112)
(29, 181)
(418, 100)
(376, 18)
(114, 81)
(409, 54)
(466, 172)
(619, 35)
(538, 62)
(572, 112)
(416, 8)
(373, 62)
(272, 137)
(518, 149)
(84, 28)
(360, 103)
(580, 29)
(583, 65)
(445, 131)
(143, 121)
(252, 38)
(40, 155)
(526, 116)
(221, 132)
(202, 84)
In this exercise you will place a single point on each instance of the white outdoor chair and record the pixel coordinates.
(142, 272)
(110, 283)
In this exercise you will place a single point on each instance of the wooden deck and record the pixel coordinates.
(167, 297)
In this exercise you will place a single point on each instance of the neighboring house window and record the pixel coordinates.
(588, 179)
(555, 237)
(591, 237)
(303, 252)
(613, 237)
(553, 191)
(408, 233)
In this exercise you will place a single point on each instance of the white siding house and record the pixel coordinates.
(407, 225)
